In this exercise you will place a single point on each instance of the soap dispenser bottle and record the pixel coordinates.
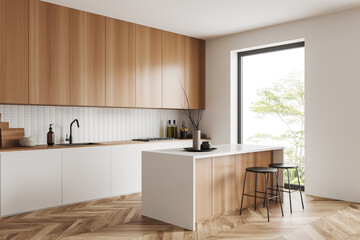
(51, 136)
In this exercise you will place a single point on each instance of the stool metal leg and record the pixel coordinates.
(265, 184)
(255, 191)
(242, 198)
(289, 189)
(267, 197)
(277, 188)
(302, 201)
(278, 192)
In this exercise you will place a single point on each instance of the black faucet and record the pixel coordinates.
(70, 139)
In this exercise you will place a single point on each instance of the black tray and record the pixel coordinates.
(190, 149)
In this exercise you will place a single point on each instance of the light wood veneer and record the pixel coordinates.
(219, 182)
(223, 184)
(49, 54)
(173, 70)
(203, 188)
(87, 59)
(148, 67)
(53, 55)
(195, 72)
(9, 137)
(120, 63)
(263, 159)
(14, 51)
(244, 161)
(322, 219)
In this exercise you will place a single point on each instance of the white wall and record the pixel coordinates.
(96, 124)
(332, 85)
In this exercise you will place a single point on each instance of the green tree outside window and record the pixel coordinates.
(285, 100)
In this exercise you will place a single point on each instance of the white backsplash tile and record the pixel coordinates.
(96, 124)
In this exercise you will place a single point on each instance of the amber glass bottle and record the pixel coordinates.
(51, 136)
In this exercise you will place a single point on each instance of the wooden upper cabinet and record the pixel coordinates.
(87, 59)
(195, 72)
(14, 51)
(120, 63)
(49, 54)
(173, 70)
(148, 67)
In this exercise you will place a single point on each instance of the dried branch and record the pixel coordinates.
(187, 112)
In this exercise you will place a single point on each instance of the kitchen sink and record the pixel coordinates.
(78, 144)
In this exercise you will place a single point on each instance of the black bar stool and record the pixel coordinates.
(266, 171)
(287, 167)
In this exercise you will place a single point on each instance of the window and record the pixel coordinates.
(272, 101)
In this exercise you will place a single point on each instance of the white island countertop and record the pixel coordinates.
(222, 150)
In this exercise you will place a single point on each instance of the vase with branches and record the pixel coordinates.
(195, 122)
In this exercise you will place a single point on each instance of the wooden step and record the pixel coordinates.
(10, 137)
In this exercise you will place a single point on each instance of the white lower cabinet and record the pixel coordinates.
(126, 168)
(30, 180)
(39, 179)
(86, 174)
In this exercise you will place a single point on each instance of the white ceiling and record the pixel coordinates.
(209, 18)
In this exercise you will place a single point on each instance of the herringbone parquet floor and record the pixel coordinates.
(120, 218)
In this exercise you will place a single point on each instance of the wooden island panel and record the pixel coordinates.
(223, 184)
(263, 159)
(219, 182)
(203, 188)
(244, 161)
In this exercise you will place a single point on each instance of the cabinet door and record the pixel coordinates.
(30, 180)
(202, 188)
(148, 67)
(14, 51)
(120, 63)
(173, 70)
(86, 174)
(126, 168)
(244, 161)
(195, 72)
(87, 59)
(223, 184)
(49, 54)
(263, 159)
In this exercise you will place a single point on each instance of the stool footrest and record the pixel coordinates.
(285, 191)
(260, 192)
(249, 195)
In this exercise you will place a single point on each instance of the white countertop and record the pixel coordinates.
(222, 150)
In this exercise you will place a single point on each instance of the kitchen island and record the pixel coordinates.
(181, 187)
